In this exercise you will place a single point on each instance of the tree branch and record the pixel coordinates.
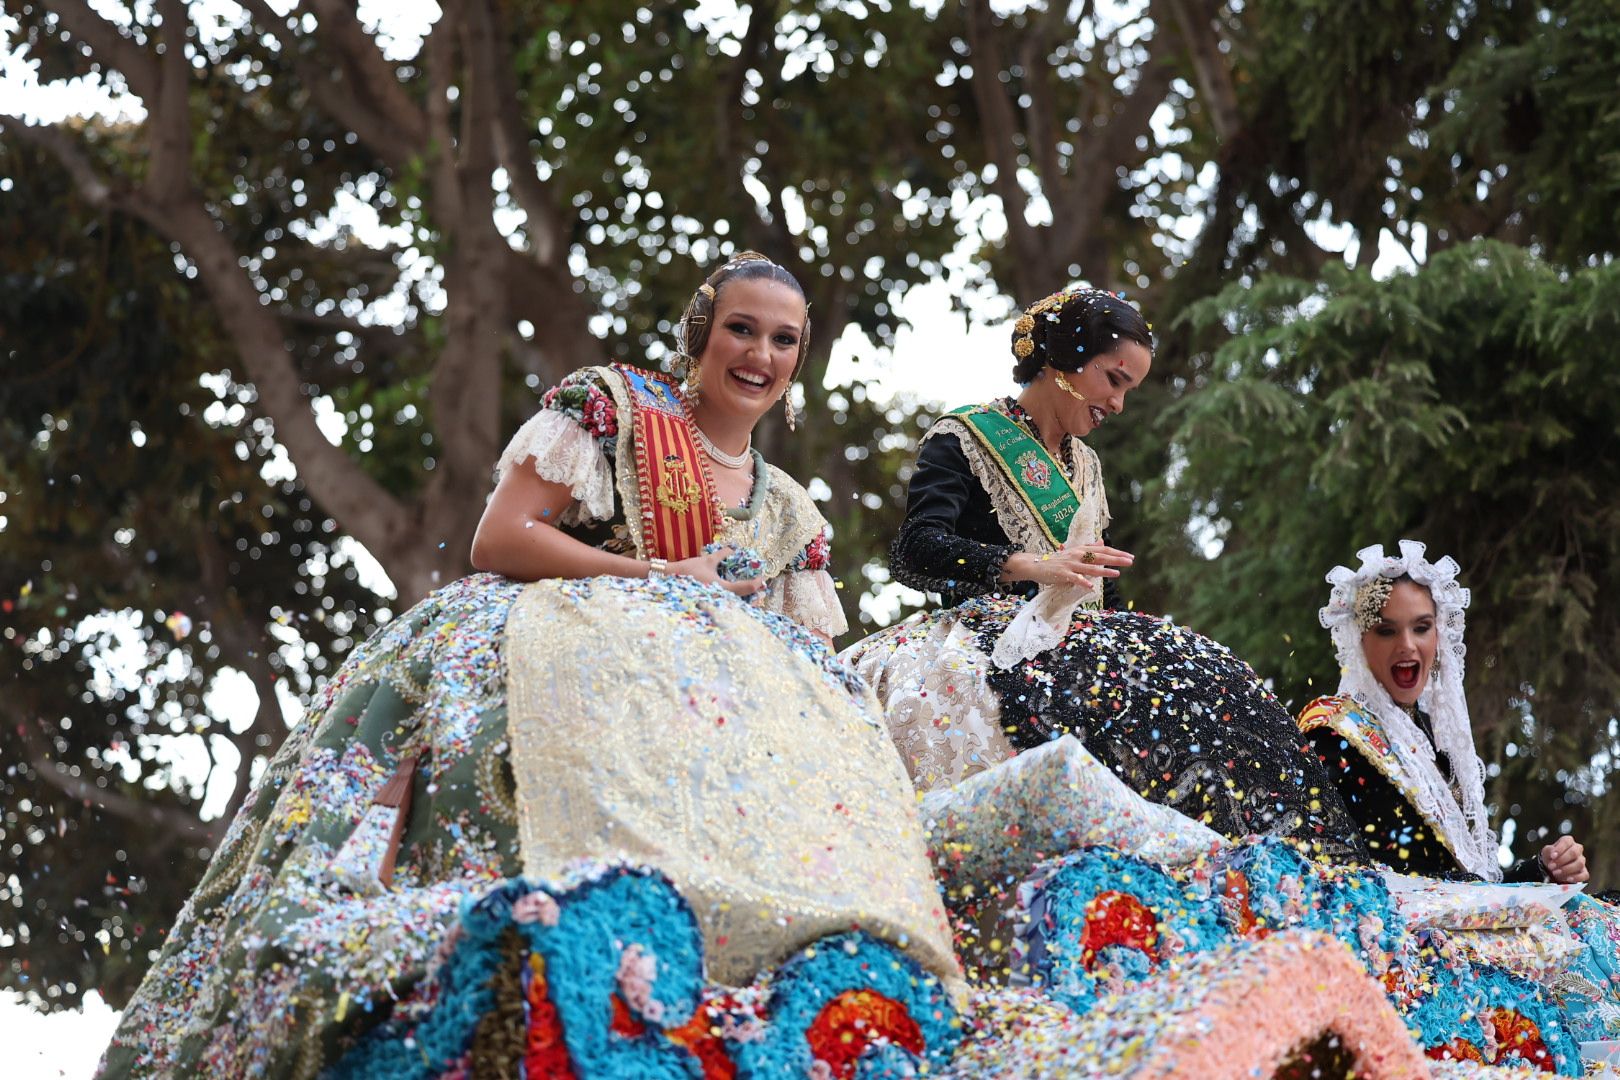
(249, 653)
(374, 516)
(539, 284)
(1077, 225)
(766, 230)
(777, 240)
(1195, 19)
(138, 811)
(141, 812)
(482, 56)
(1041, 125)
(111, 47)
(170, 124)
(439, 59)
(547, 228)
(465, 386)
(335, 324)
(546, 298)
(337, 95)
(96, 191)
(371, 75)
(729, 122)
(369, 512)
(1000, 126)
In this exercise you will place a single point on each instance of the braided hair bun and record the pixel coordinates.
(1068, 328)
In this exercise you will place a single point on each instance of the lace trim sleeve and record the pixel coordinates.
(931, 558)
(564, 452)
(809, 598)
(928, 552)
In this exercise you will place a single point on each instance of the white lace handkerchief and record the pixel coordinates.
(1044, 619)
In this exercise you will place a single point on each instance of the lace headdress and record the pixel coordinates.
(1357, 599)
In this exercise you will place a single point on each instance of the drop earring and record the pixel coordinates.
(692, 383)
(787, 407)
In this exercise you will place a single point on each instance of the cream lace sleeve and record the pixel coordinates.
(809, 598)
(564, 452)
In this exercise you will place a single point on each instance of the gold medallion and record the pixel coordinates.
(677, 490)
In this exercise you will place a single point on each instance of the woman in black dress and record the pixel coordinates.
(1005, 520)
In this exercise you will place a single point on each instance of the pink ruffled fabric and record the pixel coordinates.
(1249, 1016)
(1239, 1011)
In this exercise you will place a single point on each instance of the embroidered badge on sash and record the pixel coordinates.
(677, 490)
(1029, 468)
(678, 509)
(1035, 472)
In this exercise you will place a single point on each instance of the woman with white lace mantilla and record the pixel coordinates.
(1396, 739)
(1006, 520)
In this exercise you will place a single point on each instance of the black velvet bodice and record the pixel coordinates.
(952, 541)
(1397, 835)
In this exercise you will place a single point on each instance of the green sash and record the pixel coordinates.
(1032, 471)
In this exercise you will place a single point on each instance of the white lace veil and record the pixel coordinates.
(1467, 830)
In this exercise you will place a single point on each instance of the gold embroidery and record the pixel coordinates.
(227, 870)
(677, 491)
(495, 785)
(1314, 718)
(311, 1055)
(698, 743)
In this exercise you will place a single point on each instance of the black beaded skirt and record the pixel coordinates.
(1174, 714)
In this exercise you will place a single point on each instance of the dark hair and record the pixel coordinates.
(1067, 329)
(698, 319)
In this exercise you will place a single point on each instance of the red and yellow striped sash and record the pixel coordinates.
(679, 513)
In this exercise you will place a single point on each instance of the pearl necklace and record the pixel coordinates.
(730, 461)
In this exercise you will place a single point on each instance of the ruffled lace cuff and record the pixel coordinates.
(564, 453)
(809, 598)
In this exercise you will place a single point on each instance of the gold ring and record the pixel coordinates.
(1089, 557)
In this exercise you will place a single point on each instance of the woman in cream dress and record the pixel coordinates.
(642, 675)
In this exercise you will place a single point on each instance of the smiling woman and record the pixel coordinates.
(1006, 519)
(642, 676)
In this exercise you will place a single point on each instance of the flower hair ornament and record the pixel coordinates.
(1050, 308)
(1354, 607)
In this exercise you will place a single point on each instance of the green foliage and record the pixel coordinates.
(678, 144)
(1300, 416)
(649, 125)
(1470, 405)
(1535, 121)
(129, 495)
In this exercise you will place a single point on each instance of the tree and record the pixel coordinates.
(135, 495)
(328, 271)
(1471, 405)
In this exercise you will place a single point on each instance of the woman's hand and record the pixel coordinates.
(1067, 566)
(706, 568)
(1565, 861)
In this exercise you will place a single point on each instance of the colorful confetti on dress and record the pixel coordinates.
(1175, 715)
(395, 802)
